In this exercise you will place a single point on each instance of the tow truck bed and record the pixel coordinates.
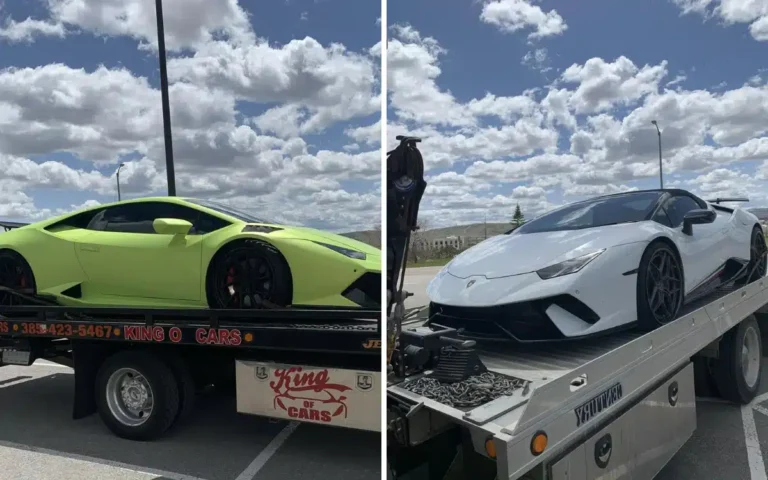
(282, 363)
(321, 330)
(564, 376)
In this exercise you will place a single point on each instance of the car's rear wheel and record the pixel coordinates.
(16, 275)
(756, 268)
(659, 286)
(249, 274)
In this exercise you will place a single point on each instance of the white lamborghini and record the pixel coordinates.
(595, 266)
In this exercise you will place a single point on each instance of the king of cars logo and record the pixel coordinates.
(309, 395)
(597, 404)
(364, 381)
(470, 283)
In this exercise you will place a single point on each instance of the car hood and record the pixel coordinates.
(515, 254)
(335, 239)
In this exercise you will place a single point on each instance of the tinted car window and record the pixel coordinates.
(661, 217)
(678, 206)
(139, 217)
(131, 217)
(232, 212)
(600, 211)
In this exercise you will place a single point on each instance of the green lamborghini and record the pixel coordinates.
(172, 252)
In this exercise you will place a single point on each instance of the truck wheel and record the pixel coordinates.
(704, 380)
(137, 395)
(738, 369)
(185, 383)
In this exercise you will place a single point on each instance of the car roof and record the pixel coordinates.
(673, 191)
(167, 199)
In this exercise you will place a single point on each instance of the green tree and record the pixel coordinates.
(518, 218)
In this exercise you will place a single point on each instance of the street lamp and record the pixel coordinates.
(118, 180)
(661, 175)
(166, 102)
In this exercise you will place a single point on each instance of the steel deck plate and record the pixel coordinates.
(633, 358)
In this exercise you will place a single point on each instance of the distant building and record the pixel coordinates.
(458, 242)
(452, 241)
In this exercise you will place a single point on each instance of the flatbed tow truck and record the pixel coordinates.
(142, 368)
(615, 407)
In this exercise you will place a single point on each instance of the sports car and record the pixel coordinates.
(610, 262)
(172, 252)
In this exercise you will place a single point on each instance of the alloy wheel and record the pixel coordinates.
(245, 280)
(663, 286)
(14, 276)
(758, 257)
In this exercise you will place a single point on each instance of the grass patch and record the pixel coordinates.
(436, 262)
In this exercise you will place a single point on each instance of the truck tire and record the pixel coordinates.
(185, 383)
(738, 369)
(124, 384)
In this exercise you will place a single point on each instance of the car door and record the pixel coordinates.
(123, 255)
(701, 252)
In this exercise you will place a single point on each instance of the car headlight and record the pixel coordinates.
(347, 252)
(567, 267)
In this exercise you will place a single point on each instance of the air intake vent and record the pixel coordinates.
(365, 291)
(260, 229)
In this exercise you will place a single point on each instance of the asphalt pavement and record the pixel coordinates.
(415, 282)
(40, 441)
(730, 440)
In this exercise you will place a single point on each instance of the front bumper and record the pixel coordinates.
(531, 321)
(599, 298)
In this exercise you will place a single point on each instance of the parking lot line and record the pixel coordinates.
(754, 453)
(135, 469)
(263, 457)
(47, 363)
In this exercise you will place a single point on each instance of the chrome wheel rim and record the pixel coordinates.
(129, 397)
(750, 357)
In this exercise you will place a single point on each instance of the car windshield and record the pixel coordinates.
(596, 212)
(232, 212)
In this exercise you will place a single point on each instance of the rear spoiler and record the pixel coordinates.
(11, 225)
(718, 200)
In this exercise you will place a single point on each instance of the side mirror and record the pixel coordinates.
(697, 217)
(171, 226)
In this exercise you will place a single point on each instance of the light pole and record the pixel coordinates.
(118, 180)
(166, 102)
(661, 175)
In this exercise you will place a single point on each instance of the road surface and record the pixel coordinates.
(416, 280)
(40, 441)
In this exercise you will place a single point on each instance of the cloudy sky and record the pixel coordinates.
(275, 107)
(541, 103)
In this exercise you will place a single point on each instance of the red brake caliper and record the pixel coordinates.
(231, 284)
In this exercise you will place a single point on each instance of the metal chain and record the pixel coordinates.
(332, 326)
(470, 393)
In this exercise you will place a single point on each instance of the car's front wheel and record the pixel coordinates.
(249, 274)
(659, 286)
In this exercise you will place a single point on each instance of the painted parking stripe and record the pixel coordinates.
(263, 457)
(15, 379)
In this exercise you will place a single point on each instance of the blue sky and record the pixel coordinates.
(679, 65)
(300, 61)
(276, 110)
